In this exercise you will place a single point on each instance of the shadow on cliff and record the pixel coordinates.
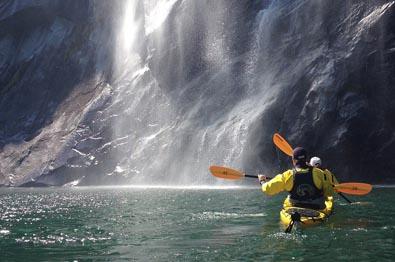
(46, 54)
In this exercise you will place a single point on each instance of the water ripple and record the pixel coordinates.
(224, 215)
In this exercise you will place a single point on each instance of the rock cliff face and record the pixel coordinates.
(55, 62)
(338, 59)
(127, 92)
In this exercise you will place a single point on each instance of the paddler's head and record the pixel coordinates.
(299, 157)
(315, 161)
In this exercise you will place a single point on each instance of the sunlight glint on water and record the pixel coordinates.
(167, 224)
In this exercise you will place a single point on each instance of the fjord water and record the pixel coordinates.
(190, 224)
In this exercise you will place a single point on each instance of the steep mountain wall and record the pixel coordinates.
(154, 91)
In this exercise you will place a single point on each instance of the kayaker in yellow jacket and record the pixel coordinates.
(330, 179)
(316, 162)
(305, 184)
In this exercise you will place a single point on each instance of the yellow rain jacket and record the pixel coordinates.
(284, 182)
(330, 180)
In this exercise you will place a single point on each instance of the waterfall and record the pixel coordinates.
(182, 107)
(156, 91)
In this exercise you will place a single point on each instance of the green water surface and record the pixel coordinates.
(143, 224)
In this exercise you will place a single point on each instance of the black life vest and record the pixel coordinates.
(304, 192)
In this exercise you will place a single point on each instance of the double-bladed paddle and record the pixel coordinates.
(233, 174)
(351, 188)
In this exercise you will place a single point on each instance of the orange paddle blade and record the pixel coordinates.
(226, 172)
(282, 144)
(359, 189)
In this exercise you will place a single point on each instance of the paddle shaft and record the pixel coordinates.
(344, 197)
(340, 194)
(257, 177)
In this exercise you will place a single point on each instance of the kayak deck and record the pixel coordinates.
(308, 216)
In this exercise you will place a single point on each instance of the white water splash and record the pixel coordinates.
(4, 232)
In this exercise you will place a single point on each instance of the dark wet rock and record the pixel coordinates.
(338, 106)
(50, 74)
(34, 184)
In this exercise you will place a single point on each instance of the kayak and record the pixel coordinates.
(307, 216)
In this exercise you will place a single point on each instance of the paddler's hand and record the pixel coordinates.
(262, 179)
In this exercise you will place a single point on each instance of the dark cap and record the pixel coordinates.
(299, 154)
